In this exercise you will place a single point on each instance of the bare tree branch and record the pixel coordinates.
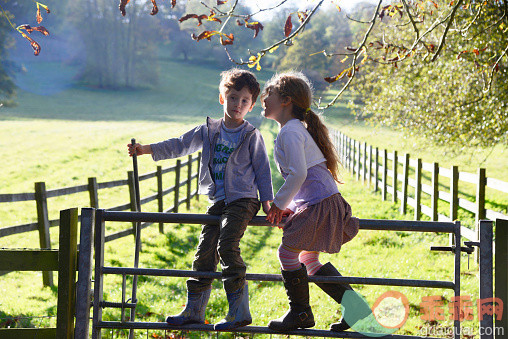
(355, 20)
(263, 52)
(268, 9)
(406, 7)
(355, 57)
(493, 69)
(443, 37)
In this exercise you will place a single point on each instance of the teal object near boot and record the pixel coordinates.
(239, 313)
(355, 308)
(300, 313)
(194, 312)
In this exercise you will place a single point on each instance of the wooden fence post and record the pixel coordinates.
(454, 193)
(364, 169)
(342, 155)
(93, 190)
(177, 184)
(480, 195)
(376, 170)
(346, 156)
(350, 155)
(339, 145)
(405, 180)
(385, 172)
(160, 200)
(501, 283)
(418, 189)
(67, 264)
(189, 178)
(369, 168)
(435, 191)
(395, 164)
(358, 160)
(41, 200)
(198, 169)
(84, 284)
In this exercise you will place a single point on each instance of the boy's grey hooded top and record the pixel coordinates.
(247, 169)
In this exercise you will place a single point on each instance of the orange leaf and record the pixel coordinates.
(338, 76)
(219, 2)
(204, 35)
(155, 9)
(122, 5)
(30, 29)
(187, 17)
(45, 7)
(288, 27)
(460, 54)
(38, 15)
(302, 16)
(35, 46)
(212, 17)
(256, 26)
(173, 3)
(228, 41)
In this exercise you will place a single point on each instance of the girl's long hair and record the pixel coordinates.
(297, 86)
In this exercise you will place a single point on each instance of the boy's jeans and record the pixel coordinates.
(222, 242)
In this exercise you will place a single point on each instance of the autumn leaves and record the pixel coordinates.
(24, 29)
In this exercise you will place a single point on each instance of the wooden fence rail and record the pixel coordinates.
(41, 196)
(375, 167)
(64, 260)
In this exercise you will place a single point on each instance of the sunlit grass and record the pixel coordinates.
(81, 133)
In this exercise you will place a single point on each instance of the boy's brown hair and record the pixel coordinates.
(237, 79)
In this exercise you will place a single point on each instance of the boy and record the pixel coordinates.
(234, 167)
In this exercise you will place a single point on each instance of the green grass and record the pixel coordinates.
(79, 133)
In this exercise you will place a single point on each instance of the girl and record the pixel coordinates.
(320, 220)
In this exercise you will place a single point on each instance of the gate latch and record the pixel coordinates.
(468, 248)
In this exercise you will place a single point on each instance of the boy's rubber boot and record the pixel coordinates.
(361, 309)
(239, 313)
(194, 312)
(300, 313)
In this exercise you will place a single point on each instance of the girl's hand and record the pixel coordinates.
(266, 206)
(287, 212)
(139, 149)
(274, 215)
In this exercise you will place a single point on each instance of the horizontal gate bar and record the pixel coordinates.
(277, 277)
(105, 304)
(185, 218)
(249, 329)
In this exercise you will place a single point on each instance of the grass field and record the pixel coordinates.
(65, 138)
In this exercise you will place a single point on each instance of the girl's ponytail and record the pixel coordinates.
(320, 134)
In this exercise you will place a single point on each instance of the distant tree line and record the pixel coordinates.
(432, 68)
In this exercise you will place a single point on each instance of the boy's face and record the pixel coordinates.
(236, 105)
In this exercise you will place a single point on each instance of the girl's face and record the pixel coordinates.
(273, 105)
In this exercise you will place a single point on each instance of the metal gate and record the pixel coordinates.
(93, 221)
